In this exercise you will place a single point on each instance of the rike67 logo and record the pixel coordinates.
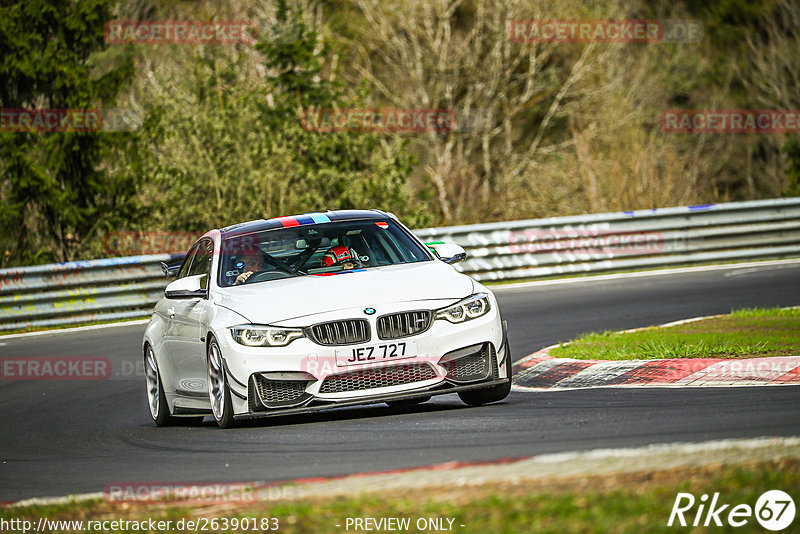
(774, 510)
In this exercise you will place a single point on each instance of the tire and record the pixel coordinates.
(218, 391)
(156, 399)
(408, 402)
(477, 397)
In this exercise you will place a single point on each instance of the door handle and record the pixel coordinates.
(171, 313)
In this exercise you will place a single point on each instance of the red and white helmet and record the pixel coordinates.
(337, 255)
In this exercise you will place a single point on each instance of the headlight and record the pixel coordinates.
(264, 336)
(469, 308)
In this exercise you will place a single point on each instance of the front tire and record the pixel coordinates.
(218, 391)
(477, 397)
(157, 400)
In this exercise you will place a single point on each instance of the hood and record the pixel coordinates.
(281, 300)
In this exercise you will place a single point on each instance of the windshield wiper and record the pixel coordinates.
(277, 264)
(303, 258)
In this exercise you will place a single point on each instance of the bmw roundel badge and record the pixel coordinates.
(369, 311)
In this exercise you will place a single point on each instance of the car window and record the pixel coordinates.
(187, 262)
(201, 263)
(299, 250)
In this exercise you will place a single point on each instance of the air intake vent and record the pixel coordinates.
(277, 393)
(404, 324)
(341, 332)
(470, 367)
(378, 378)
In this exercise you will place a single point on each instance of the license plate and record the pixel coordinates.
(376, 353)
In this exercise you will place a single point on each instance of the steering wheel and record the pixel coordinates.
(357, 263)
(264, 276)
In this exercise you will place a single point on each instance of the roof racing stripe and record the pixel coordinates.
(302, 220)
(319, 217)
(288, 222)
(299, 220)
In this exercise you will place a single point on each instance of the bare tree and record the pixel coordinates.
(771, 75)
(457, 55)
(543, 128)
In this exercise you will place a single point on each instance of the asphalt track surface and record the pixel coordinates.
(64, 437)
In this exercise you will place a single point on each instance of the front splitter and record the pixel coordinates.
(439, 389)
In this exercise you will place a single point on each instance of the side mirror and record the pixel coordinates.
(448, 252)
(170, 271)
(188, 287)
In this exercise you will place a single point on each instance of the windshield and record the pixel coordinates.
(319, 249)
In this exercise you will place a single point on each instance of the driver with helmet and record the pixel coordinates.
(334, 256)
(340, 255)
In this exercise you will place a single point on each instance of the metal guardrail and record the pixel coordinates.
(540, 248)
(120, 288)
(80, 291)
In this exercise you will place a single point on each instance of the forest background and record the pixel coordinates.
(208, 135)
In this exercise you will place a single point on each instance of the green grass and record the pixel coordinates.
(621, 503)
(746, 333)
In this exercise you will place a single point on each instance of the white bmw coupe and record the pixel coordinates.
(316, 311)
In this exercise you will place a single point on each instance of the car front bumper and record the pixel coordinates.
(259, 377)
